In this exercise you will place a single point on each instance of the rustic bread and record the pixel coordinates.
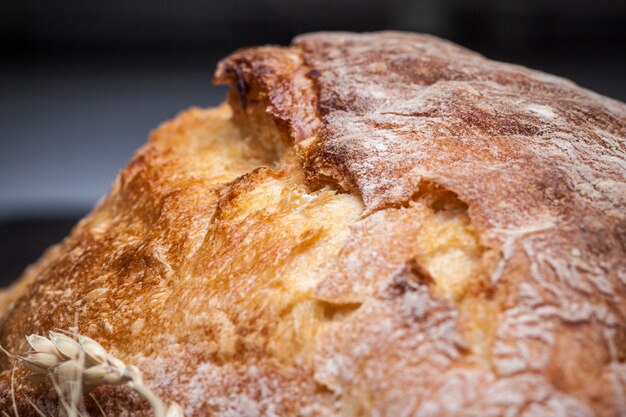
(376, 224)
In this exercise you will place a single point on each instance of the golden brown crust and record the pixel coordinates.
(436, 234)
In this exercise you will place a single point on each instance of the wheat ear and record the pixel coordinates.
(76, 364)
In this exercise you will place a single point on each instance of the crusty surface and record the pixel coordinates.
(384, 224)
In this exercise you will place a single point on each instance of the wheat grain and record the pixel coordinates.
(77, 364)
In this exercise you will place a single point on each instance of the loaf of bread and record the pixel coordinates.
(380, 224)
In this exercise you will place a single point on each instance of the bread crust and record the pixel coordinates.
(453, 242)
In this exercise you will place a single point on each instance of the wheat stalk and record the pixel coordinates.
(77, 364)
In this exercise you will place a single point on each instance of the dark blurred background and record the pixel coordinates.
(83, 82)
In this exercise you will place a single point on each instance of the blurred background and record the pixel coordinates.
(82, 83)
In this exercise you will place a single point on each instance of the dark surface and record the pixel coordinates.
(23, 240)
(82, 83)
